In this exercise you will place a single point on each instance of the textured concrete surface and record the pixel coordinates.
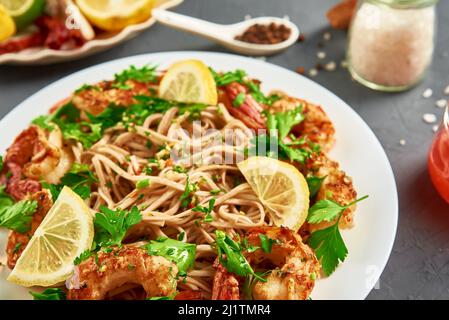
(419, 265)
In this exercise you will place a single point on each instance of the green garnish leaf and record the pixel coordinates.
(329, 247)
(145, 74)
(82, 257)
(16, 216)
(239, 100)
(142, 184)
(206, 210)
(186, 196)
(266, 243)
(182, 254)
(111, 226)
(85, 87)
(228, 77)
(230, 254)
(49, 294)
(328, 210)
(314, 183)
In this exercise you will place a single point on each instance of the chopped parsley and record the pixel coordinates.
(142, 184)
(85, 87)
(228, 77)
(186, 196)
(327, 243)
(314, 183)
(182, 254)
(49, 294)
(145, 74)
(16, 216)
(230, 254)
(266, 243)
(82, 257)
(239, 100)
(80, 179)
(206, 210)
(111, 226)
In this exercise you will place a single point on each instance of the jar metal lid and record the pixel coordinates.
(407, 3)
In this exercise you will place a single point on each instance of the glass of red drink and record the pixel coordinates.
(439, 158)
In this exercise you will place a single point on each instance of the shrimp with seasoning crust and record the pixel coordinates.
(292, 267)
(95, 277)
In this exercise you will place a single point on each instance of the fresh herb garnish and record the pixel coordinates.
(111, 226)
(181, 253)
(230, 254)
(228, 77)
(142, 184)
(145, 74)
(85, 87)
(1, 163)
(327, 243)
(266, 243)
(16, 216)
(80, 179)
(314, 183)
(17, 247)
(82, 257)
(239, 100)
(206, 210)
(186, 196)
(49, 294)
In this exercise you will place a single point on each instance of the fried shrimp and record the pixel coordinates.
(316, 124)
(291, 264)
(17, 242)
(337, 186)
(95, 277)
(295, 265)
(95, 99)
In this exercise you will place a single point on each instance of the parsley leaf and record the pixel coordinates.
(228, 77)
(266, 243)
(82, 257)
(1, 163)
(49, 294)
(186, 196)
(284, 121)
(16, 216)
(327, 243)
(230, 254)
(109, 117)
(182, 254)
(145, 74)
(314, 183)
(329, 247)
(239, 100)
(207, 210)
(85, 87)
(80, 179)
(111, 226)
(328, 210)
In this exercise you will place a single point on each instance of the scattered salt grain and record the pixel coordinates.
(321, 54)
(313, 72)
(330, 66)
(247, 17)
(427, 93)
(327, 36)
(435, 128)
(446, 91)
(442, 103)
(402, 142)
(429, 118)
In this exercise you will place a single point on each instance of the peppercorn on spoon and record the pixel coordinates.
(225, 34)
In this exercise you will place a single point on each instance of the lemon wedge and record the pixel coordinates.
(7, 26)
(24, 12)
(65, 233)
(281, 188)
(114, 15)
(189, 81)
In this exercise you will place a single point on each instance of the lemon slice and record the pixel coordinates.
(281, 188)
(65, 233)
(189, 81)
(113, 15)
(24, 12)
(7, 26)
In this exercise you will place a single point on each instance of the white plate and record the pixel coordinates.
(357, 149)
(41, 56)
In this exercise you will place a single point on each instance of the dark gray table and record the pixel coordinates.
(419, 265)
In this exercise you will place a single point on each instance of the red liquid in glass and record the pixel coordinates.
(439, 163)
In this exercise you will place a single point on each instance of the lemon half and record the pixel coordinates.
(189, 81)
(24, 12)
(114, 15)
(281, 188)
(65, 233)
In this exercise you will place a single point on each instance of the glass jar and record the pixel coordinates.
(391, 42)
